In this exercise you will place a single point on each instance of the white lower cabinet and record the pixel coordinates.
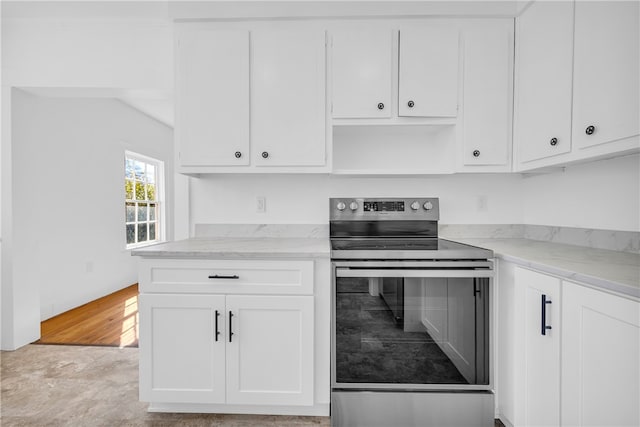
(537, 347)
(582, 371)
(180, 358)
(600, 358)
(233, 349)
(270, 354)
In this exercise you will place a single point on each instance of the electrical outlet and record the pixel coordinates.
(261, 204)
(482, 203)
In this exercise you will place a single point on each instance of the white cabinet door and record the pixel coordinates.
(270, 354)
(601, 354)
(212, 97)
(288, 97)
(428, 72)
(606, 87)
(361, 78)
(487, 94)
(182, 359)
(434, 315)
(543, 73)
(505, 332)
(537, 369)
(460, 345)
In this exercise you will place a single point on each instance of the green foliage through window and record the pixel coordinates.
(141, 216)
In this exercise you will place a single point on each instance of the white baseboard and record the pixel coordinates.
(319, 409)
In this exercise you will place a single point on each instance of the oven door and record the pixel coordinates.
(442, 342)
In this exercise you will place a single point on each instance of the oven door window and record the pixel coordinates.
(411, 330)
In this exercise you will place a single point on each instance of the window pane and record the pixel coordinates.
(151, 191)
(140, 191)
(142, 232)
(151, 173)
(139, 170)
(152, 212)
(128, 187)
(131, 212)
(128, 168)
(152, 231)
(142, 211)
(131, 234)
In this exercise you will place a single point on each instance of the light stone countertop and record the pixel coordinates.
(239, 247)
(609, 270)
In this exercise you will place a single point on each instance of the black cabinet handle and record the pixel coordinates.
(380, 106)
(553, 142)
(238, 154)
(410, 104)
(543, 325)
(590, 130)
(230, 327)
(476, 153)
(265, 154)
(217, 330)
(217, 276)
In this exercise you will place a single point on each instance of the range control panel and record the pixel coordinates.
(423, 208)
(383, 206)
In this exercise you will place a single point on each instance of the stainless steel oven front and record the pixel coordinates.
(431, 367)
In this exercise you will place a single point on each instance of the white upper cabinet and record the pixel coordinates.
(361, 78)
(375, 65)
(543, 61)
(487, 94)
(288, 97)
(212, 97)
(606, 84)
(577, 86)
(428, 71)
(251, 95)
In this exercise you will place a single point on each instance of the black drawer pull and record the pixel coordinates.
(544, 326)
(217, 276)
(217, 330)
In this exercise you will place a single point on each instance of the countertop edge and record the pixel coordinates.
(589, 280)
(229, 255)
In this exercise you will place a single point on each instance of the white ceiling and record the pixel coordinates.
(154, 103)
(156, 108)
(216, 9)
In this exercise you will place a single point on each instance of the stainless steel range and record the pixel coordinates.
(410, 318)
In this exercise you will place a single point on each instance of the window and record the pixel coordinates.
(143, 199)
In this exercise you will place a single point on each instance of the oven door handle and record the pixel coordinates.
(368, 272)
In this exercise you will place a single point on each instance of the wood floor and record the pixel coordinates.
(109, 321)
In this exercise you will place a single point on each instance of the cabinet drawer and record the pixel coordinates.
(226, 276)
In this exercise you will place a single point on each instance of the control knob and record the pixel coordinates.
(428, 206)
(415, 206)
(341, 206)
(353, 206)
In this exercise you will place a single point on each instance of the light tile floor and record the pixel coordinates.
(51, 385)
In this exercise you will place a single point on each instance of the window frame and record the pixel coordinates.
(159, 199)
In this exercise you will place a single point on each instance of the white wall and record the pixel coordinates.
(127, 52)
(68, 195)
(94, 53)
(603, 195)
(303, 199)
(600, 195)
